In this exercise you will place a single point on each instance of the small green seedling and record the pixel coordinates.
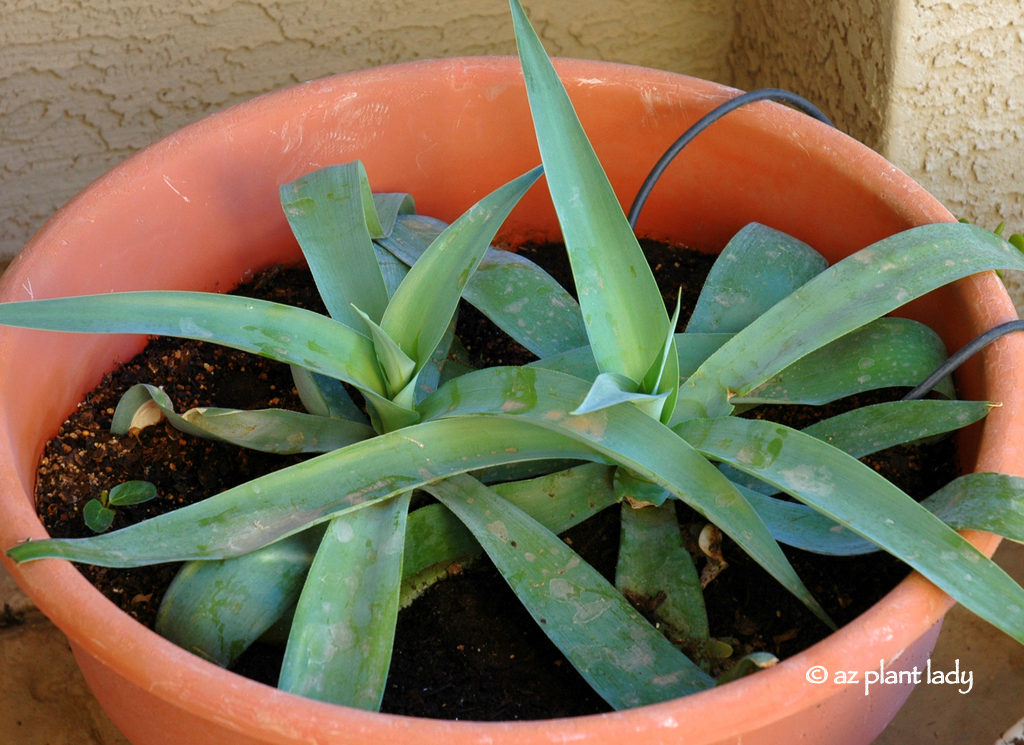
(99, 513)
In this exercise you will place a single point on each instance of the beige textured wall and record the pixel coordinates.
(836, 53)
(84, 84)
(957, 106)
(956, 120)
(936, 86)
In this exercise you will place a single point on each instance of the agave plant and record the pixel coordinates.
(645, 415)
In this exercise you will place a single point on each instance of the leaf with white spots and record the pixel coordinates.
(862, 287)
(340, 643)
(852, 494)
(623, 658)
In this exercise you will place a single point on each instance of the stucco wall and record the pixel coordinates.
(84, 85)
(836, 53)
(936, 86)
(956, 119)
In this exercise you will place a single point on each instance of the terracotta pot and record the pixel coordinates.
(199, 210)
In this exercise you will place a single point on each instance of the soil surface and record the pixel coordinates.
(466, 649)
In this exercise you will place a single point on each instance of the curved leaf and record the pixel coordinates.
(611, 389)
(279, 332)
(331, 211)
(284, 502)
(844, 489)
(860, 288)
(390, 207)
(623, 658)
(266, 430)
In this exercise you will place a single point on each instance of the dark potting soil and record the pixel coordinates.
(466, 649)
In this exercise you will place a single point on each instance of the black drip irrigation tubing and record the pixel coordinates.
(962, 355)
(764, 94)
(780, 95)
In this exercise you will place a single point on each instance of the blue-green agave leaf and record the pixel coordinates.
(803, 527)
(623, 658)
(869, 429)
(847, 491)
(342, 636)
(325, 396)
(655, 569)
(266, 430)
(216, 609)
(521, 298)
(992, 502)
(610, 389)
(389, 208)
(279, 504)
(331, 211)
(625, 317)
(396, 366)
(859, 432)
(886, 353)
(663, 376)
(391, 269)
(438, 366)
(864, 286)
(435, 541)
(279, 332)
(758, 267)
(424, 304)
